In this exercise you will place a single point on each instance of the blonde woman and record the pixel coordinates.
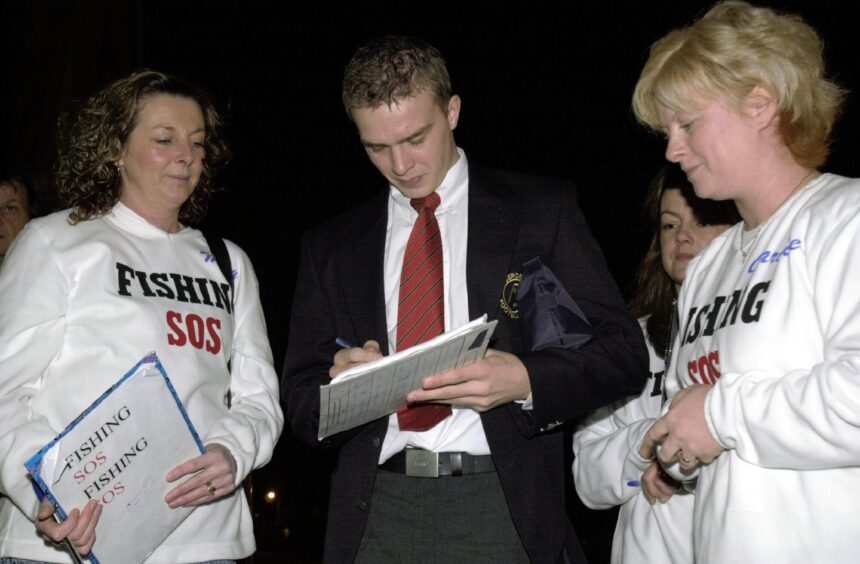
(767, 359)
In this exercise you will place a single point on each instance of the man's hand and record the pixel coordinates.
(683, 430)
(497, 379)
(79, 527)
(347, 358)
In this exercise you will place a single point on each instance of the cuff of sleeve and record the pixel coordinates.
(528, 403)
(714, 413)
(241, 467)
(31, 510)
(634, 464)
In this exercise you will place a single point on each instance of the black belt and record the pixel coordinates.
(426, 464)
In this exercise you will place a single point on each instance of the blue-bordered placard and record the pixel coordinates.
(117, 451)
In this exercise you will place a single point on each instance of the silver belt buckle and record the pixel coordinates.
(422, 463)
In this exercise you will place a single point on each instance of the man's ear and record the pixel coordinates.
(453, 111)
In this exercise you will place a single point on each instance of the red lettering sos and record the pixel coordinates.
(706, 369)
(203, 334)
(111, 494)
(89, 467)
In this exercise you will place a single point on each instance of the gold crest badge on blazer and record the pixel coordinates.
(508, 300)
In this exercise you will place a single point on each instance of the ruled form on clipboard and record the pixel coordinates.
(376, 389)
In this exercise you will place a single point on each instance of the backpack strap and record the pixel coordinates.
(219, 250)
(222, 258)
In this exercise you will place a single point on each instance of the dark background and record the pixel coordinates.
(546, 89)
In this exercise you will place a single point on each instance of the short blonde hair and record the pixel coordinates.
(731, 50)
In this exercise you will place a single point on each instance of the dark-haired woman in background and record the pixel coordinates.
(87, 292)
(609, 453)
(18, 205)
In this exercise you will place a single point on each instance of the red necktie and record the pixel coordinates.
(421, 307)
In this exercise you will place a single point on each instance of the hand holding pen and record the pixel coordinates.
(350, 356)
(655, 483)
(77, 532)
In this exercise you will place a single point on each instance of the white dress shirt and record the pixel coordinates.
(463, 430)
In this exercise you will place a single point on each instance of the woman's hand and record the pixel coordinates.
(648, 448)
(79, 527)
(211, 476)
(657, 485)
(683, 430)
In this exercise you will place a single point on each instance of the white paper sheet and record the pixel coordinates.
(376, 389)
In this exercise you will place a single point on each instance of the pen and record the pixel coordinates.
(56, 517)
(343, 343)
(68, 544)
(634, 483)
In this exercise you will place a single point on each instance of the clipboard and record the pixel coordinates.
(376, 389)
(118, 451)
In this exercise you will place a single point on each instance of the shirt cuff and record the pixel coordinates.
(527, 404)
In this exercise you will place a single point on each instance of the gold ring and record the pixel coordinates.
(684, 460)
(210, 487)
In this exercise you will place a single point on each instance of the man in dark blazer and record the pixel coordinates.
(500, 495)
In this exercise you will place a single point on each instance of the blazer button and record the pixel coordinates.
(375, 441)
(362, 506)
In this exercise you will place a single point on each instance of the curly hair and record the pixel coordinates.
(391, 68)
(727, 53)
(654, 295)
(88, 180)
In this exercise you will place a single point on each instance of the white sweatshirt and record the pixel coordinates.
(607, 469)
(79, 305)
(780, 337)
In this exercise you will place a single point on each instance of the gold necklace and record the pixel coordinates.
(746, 248)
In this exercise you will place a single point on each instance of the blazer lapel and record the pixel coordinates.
(494, 223)
(363, 294)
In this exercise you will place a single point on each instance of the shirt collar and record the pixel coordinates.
(126, 218)
(452, 191)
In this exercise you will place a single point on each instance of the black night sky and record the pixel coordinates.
(545, 86)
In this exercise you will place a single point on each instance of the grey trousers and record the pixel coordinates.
(446, 520)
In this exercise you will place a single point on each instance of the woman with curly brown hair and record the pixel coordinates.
(87, 292)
